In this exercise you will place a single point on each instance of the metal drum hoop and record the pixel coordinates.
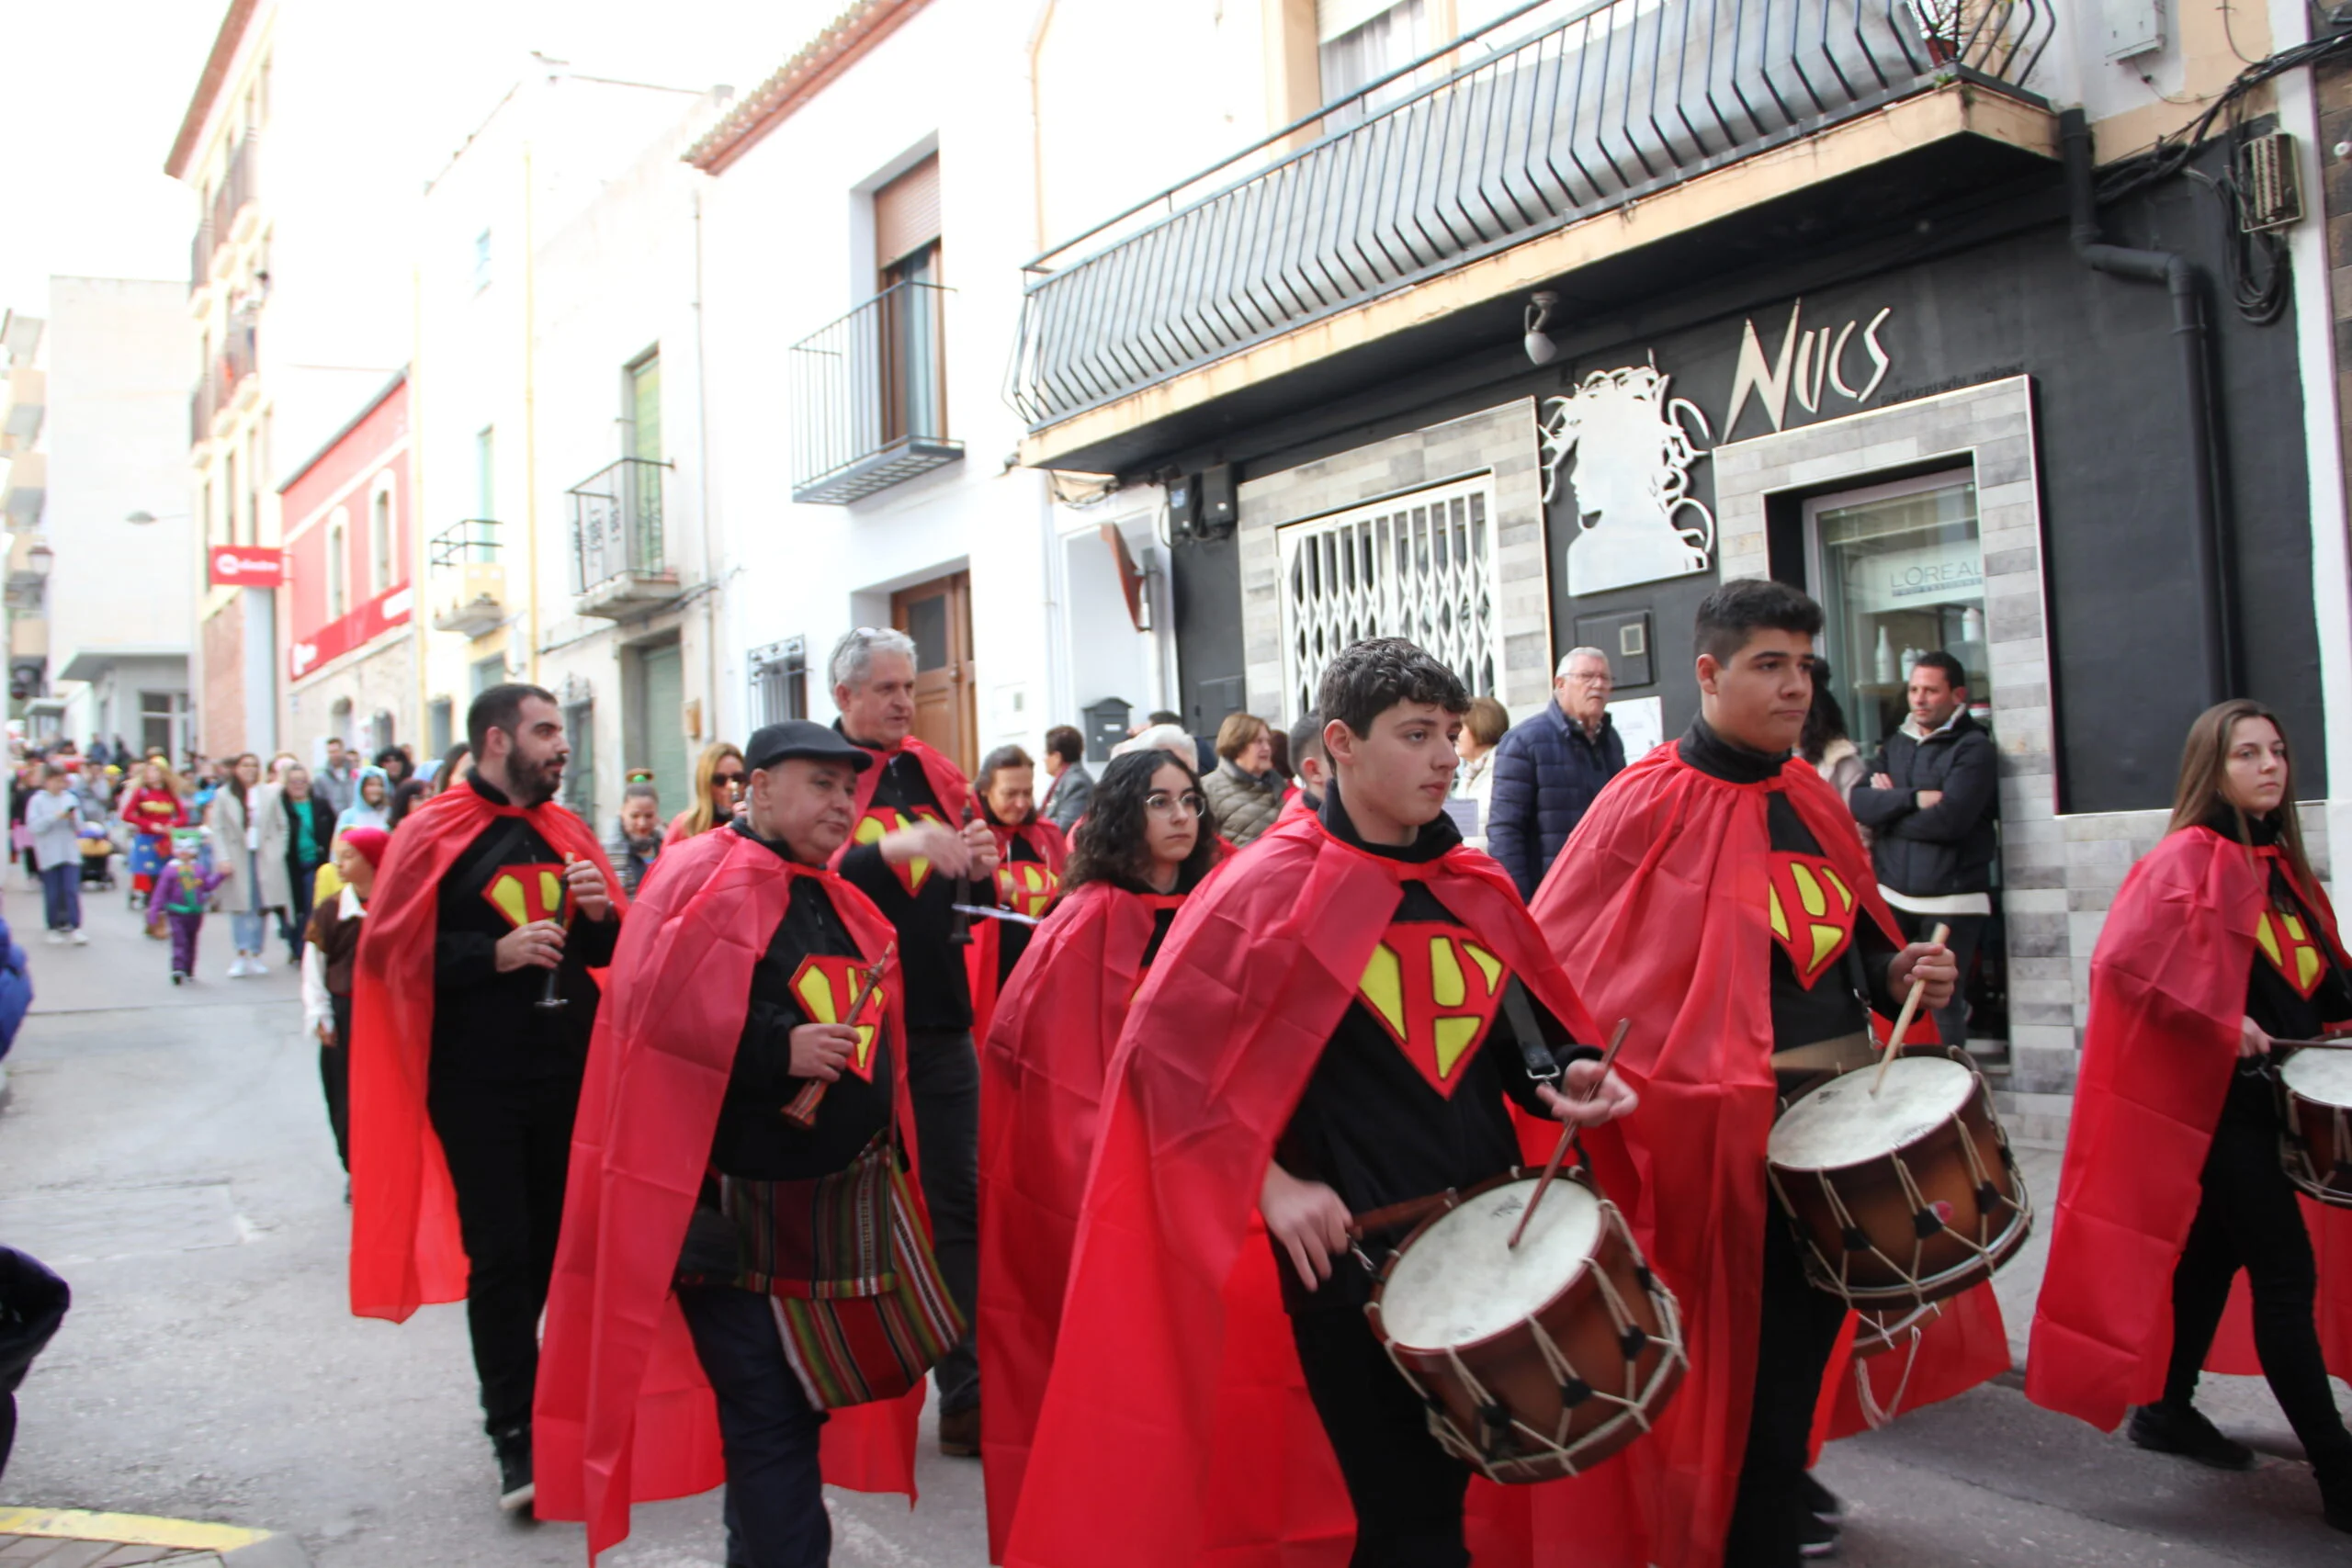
(2294, 1149)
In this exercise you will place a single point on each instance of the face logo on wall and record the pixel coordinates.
(1635, 519)
(1812, 364)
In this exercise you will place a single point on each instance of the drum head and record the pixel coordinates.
(1842, 1123)
(1460, 1280)
(2323, 1076)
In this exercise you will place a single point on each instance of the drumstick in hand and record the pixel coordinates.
(1568, 1132)
(1902, 1019)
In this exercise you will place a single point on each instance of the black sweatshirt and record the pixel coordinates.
(488, 1025)
(1371, 1128)
(753, 1139)
(1833, 1004)
(939, 995)
(2282, 1010)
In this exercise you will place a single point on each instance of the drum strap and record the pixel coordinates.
(1520, 1013)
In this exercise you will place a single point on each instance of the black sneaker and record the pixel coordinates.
(1816, 1536)
(2184, 1431)
(2336, 1495)
(1818, 1500)
(515, 1486)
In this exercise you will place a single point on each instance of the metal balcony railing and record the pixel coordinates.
(617, 524)
(473, 542)
(236, 188)
(869, 396)
(199, 257)
(1551, 113)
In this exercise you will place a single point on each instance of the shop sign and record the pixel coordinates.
(1951, 572)
(244, 566)
(338, 638)
(1815, 365)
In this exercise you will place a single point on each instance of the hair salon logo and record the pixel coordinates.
(1812, 366)
(1635, 519)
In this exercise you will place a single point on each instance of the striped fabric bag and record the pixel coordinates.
(845, 1259)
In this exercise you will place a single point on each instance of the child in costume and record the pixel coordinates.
(183, 888)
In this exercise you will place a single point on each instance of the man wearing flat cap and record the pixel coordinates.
(741, 980)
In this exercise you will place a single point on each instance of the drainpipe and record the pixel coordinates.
(2207, 560)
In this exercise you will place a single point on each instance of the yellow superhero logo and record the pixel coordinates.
(879, 822)
(2287, 941)
(527, 893)
(1025, 887)
(1435, 990)
(1812, 911)
(825, 984)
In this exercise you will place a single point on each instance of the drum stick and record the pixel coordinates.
(1568, 1132)
(2340, 1042)
(1902, 1019)
(802, 1112)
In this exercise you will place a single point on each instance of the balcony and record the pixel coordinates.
(620, 563)
(27, 400)
(236, 190)
(26, 490)
(869, 398)
(1497, 149)
(469, 581)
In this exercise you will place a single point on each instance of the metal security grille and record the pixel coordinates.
(1418, 566)
(779, 681)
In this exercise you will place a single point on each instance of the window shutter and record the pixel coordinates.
(1333, 18)
(906, 214)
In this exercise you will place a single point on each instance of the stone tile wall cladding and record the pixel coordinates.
(2058, 872)
(1498, 441)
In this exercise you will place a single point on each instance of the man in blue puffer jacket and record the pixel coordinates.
(1549, 769)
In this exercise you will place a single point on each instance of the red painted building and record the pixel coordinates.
(347, 642)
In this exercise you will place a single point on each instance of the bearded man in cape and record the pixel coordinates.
(1282, 1059)
(1717, 893)
(471, 1012)
(917, 852)
(743, 979)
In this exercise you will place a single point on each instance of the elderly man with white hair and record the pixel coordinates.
(914, 845)
(1550, 768)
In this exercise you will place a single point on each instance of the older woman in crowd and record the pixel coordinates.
(1483, 728)
(1243, 789)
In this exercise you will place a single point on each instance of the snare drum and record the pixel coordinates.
(1538, 1361)
(2315, 1105)
(1905, 1197)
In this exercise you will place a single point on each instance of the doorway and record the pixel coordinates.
(938, 615)
(653, 731)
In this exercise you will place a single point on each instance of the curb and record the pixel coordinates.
(236, 1546)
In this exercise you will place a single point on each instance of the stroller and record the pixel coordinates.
(97, 856)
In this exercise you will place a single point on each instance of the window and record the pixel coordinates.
(481, 261)
(338, 563)
(164, 721)
(440, 726)
(229, 490)
(642, 395)
(1418, 566)
(1901, 574)
(488, 673)
(383, 538)
(580, 773)
(1362, 40)
(486, 474)
(780, 682)
(380, 734)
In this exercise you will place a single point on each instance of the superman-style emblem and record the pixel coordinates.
(2286, 940)
(825, 984)
(1025, 887)
(1812, 913)
(527, 893)
(1435, 990)
(879, 822)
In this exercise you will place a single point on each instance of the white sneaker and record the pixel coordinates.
(237, 967)
(77, 938)
(54, 938)
(254, 966)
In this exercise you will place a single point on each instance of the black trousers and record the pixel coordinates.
(1967, 930)
(2249, 1219)
(1796, 1331)
(1406, 1491)
(776, 1493)
(943, 1081)
(508, 1143)
(335, 1077)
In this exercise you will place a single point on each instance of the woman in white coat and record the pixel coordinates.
(273, 884)
(236, 841)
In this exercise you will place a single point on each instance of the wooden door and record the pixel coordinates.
(938, 615)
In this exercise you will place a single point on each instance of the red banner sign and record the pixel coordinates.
(337, 638)
(246, 566)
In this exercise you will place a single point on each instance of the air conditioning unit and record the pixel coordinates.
(2271, 194)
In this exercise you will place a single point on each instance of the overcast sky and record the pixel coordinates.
(95, 89)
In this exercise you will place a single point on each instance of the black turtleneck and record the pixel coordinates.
(1369, 1124)
(2281, 1012)
(1836, 1004)
(939, 993)
(487, 1024)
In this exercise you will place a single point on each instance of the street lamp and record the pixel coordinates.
(41, 558)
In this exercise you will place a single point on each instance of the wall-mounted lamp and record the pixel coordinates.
(1541, 350)
(41, 559)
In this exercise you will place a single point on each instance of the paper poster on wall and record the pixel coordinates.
(1640, 724)
(1635, 520)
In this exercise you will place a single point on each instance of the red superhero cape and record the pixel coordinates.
(1040, 1091)
(2168, 986)
(982, 958)
(404, 1246)
(948, 785)
(1658, 911)
(1176, 1429)
(624, 1413)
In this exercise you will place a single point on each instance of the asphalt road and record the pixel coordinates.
(168, 1150)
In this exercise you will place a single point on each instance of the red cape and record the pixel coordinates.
(624, 1413)
(948, 785)
(404, 1246)
(2168, 986)
(1658, 911)
(1042, 1067)
(1176, 1429)
(982, 958)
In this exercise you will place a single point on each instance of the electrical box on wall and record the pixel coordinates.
(2131, 28)
(2271, 194)
(1201, 506)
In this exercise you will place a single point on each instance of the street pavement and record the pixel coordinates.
(167, 1150)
